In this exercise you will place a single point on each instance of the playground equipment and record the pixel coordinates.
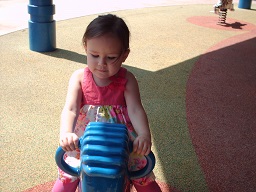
(104, 159)
(42, 27)
(221, 9)
(244, 4)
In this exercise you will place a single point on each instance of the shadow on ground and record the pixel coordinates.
(221, 94)
(68, 55)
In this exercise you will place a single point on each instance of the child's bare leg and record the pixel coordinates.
(65, 187)
(151, 187)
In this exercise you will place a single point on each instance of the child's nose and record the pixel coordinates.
(102, 61)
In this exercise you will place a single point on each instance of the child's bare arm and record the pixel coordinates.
(138, 117)
(68, 139)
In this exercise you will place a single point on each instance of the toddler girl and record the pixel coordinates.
(104, 92)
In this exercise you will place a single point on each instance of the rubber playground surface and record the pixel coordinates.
(197, 82)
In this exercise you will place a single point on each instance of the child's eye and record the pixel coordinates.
(111, 58)
(95, 56)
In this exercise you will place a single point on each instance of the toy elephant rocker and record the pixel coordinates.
(104, 159)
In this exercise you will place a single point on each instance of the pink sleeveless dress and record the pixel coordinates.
(104, 104)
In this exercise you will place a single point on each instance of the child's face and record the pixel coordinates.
(105, 55)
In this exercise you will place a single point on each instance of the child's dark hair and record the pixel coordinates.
(108, 24)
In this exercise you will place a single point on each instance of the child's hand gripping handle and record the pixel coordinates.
(76, 171)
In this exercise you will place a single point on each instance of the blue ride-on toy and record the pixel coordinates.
(104, 156)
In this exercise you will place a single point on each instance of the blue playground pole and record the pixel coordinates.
(245, 4)
(42, 27)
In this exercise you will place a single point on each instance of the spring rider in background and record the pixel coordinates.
(104, 155)
(221, 9)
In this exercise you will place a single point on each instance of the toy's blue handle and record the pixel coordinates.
(63, 165)
(146, 170)
(76, 171)
(151, 161)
